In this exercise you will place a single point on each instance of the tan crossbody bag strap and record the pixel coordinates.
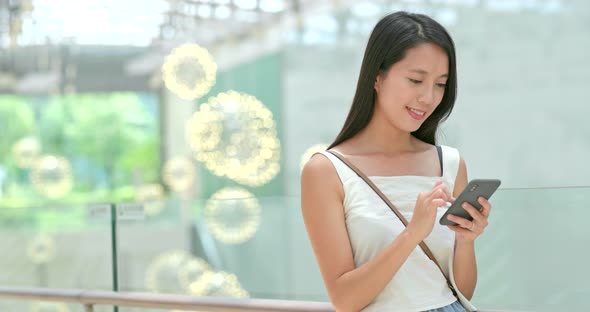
(394, 209)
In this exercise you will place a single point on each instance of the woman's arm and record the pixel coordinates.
(350, 288)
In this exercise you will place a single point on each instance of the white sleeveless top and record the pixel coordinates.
(418, 285)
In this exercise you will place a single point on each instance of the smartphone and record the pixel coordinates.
(476, 188)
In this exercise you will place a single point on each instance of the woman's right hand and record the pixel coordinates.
(426, 209)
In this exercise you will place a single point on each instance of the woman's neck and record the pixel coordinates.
(380, 137)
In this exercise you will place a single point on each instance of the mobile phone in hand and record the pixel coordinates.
(476, 188)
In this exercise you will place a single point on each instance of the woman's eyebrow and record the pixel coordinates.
(422, 71)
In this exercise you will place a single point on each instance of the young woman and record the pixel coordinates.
(368, 259)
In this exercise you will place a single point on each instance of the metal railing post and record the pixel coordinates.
(114, 248)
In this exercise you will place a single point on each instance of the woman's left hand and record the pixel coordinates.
(466, 230)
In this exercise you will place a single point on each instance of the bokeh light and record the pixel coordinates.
(26, 151)
(218, 284)
(177, 271)
(52, 176)
(235, 135)
(191, 271)
(189, 71)
(152, 198)
(173, 271)
(179, 174)
(232, 215)
(41, 249)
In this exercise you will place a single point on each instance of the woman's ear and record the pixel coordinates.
(378, 81)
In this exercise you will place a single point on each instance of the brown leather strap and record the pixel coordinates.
(394, 209)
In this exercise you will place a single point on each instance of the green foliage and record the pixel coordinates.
(112, 134)
(16, 121)
(106, 129)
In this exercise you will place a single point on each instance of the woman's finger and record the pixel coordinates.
(475, 214)
(462, 222)
(461, 231)
(486, 207)
(442, 191)
(437, 183)
(436, 194)
(437, 202)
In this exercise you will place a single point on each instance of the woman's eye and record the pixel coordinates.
(442, 85)
(415, 81)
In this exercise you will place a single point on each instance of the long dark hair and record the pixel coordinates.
(391, 38)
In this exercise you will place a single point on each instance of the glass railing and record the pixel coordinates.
(54, 246)
(532, 257)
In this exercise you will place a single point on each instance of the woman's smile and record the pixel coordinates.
(416, 114)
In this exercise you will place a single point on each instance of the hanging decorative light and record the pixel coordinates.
(189, 71)
(179, 174)
(26, 151)
(173, 271)
(52, 176)
(41, 249)
(218, 284)
(152, 198)
(232, 215)
(235, 135)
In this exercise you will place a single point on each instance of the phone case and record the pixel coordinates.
(476, 188)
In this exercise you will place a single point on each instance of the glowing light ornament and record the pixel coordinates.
(191, 271)
(173, 271)
(179, 174)
(309, 152)
(189, 71)
(232, 215)
(234, 135)
(52, 176)
(26, 151)
(152, 198)
(218, 284)
(41, 249)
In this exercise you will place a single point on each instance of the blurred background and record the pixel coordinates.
(203, 112)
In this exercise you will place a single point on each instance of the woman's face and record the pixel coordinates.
(412, 88)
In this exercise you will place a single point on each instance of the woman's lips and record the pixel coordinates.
(416, 114)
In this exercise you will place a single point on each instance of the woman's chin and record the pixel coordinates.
(412, 128)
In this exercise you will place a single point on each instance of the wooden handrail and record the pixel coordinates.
(162, 301)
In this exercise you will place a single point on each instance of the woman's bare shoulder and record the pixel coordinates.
(319, 171)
